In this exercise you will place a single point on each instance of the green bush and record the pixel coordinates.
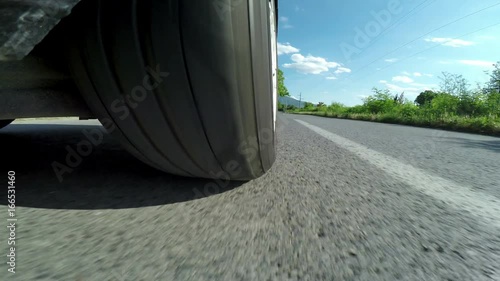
(445, 105)
(381, 102)
(455, 107)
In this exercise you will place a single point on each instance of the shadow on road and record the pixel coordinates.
(109, 178)
(491, 145)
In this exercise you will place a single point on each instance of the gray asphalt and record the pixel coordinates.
(321, 213)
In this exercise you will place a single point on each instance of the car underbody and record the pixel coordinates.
(24, 24)
(34, 80)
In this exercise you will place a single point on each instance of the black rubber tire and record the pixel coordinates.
(5, 123)
(212, 115)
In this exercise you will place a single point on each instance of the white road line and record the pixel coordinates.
(477, 203)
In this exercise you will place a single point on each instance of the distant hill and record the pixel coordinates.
(291, 101)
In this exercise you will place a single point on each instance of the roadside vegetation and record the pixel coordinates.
(456, 106)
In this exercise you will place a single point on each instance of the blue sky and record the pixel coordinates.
(339, 50)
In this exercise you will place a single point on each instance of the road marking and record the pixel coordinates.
(477, 203)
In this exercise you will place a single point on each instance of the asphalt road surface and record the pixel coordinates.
(345, 200)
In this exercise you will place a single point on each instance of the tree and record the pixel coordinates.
(308, 106)
(282, 90)
(281, 107)
(399, 99)
(425, 98)
(494, 83)
(337, 107)
(381, 102)
(454, 84)
(493, 104)
(445, 104)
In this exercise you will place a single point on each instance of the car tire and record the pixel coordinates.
(5, 123)
(187, 86)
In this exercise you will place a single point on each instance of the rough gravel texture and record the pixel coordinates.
(321, 213)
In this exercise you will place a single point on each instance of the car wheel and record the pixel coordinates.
(188, 86)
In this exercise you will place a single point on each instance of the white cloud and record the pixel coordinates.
(402, 79)
(455, 43)
(341, 69)
(285, 23)
(331, 78)
(312, 65)
(284, 49)
(391, 60)
(487, 37)
(411, 91)
(415, 74)
(424, 86)
(477, 63)
(408, 90)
